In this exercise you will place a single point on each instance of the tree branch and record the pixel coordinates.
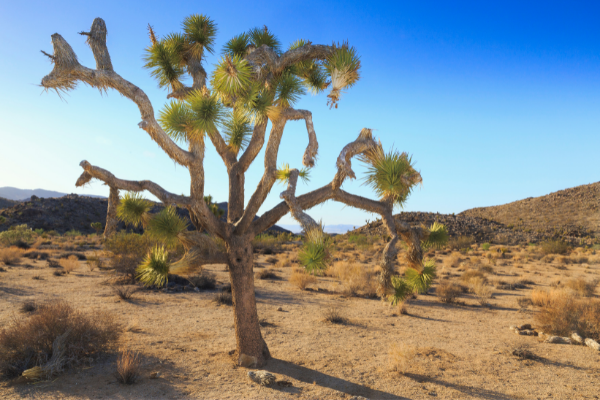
(91, 171)
(67, 72)
(363, 143)
(266, 55)
(256, 143)
(289, 196)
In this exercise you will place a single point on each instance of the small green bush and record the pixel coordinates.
(39, 231)
(485, 246)
(15, 234)
(2, 219)
(72, 233)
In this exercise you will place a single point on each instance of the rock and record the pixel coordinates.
(526, 326)
(558, 340)
(263, 378)
(358, 398)
(154, 375)
(592, 343)
(576, 338)
(247, 361)
(528, 332)
(279, 308)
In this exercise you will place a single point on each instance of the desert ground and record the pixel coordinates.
(424, 349)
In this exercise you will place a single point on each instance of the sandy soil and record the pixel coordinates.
(465, 350)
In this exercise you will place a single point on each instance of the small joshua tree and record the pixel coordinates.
(97, 226)
(256, 83)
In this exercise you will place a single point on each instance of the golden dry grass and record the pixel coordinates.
(69, 264)
(302, 280)
(11, 255)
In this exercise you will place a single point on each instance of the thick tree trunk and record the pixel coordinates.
(251, 349)
(111, 213)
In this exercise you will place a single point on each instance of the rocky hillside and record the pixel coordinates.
(458, 225)
(6, 203)
(573, 214)
(71, 212)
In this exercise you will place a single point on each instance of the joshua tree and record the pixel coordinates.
(255, 85)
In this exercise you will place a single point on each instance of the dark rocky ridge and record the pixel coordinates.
(6, 203)
(63, 214)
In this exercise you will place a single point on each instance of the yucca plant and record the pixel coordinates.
(134, 209)
(260, 36)
(200, 34)
(401, 290)
(342, 66)
(166, 226)
(231, 76)
(438, 237)
(315, 254)
(208, 112)
(237, 130)
(154, 270)
(391, 175)
(288, 91)
(164, 63)
(237, 45)
(421, 280)
(178, 121)
(283, 174)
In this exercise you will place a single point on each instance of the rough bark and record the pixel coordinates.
(111, 213)
(249, 340)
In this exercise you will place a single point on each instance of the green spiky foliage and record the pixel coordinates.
(401, 290)
(214, 207)
(208, 112)
(237, 130)
(260, 36)
(343, 67)
(154, 270)
(421, 280)
(438, 237)
(177, 120)
(200, 32)
(237, 45)
(231, 76)
(166, 225)
(288, 90)
(312, 73)
(283, 174)
(315, 254)
(391, 175)
(164, 63)
(133, 209)
(97, 226)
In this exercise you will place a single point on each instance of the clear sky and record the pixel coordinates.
(495, 102)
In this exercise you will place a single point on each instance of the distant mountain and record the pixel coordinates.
(12, 193)
(339, 229)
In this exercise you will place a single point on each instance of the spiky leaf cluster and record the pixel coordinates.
(401, 290)
(133, 209)
(421, 280)
(312, 72)
(231, 77)
(288, 90)
(315, 254)
(343, 67)
(177, 120)
(154, 270)
(237, 46)
(438, 237)
(164, 63)
(237, 130)
(167, 225)
(391, 175)
(200, 34)
(214, 207)
(283, 174)
(260, 36)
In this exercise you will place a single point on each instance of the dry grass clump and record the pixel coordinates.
(55, 337)
(203, 281)
(11, 255)
(128, 365)
(453, 261)
(284, 262)
(29, 306)
(125, 292)
(224, 298)
(582, 287)
(482, 291)
(448, 291)
(334, 316)
(267, 273)
(69, 264)
(473, 274)
(355, 278)
(401, 357)
(563, 313)
(302, 280)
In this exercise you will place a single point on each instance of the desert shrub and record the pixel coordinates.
(315, 253)
(2, 219)
(302, 280)
(266, 243)
(97, 226)
(461, 242)
(453, 260)
(485, 246)
(11, 255)
(482, 291)
(564, 314)
(72, 233)
(130, 244)
(359, 240)
(543, 298)
(203, 281)
(354, 277)
(284, 262)
(267, 273)
(334, 316)
(17, 234)
(524, 302)
(125, 292)
(36, 255)
(59, 273)
(29, 306)
(448, 291)
(582, 287)
(69, 264)
(554, 247)
(128, 365)
(271, 260)
(224, 298)
(94, 262)
(55, 337)
(471, 274)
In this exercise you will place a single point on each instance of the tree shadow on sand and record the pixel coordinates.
(311, 376)
(476, 392)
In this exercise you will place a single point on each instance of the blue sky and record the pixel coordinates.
(495, 102)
